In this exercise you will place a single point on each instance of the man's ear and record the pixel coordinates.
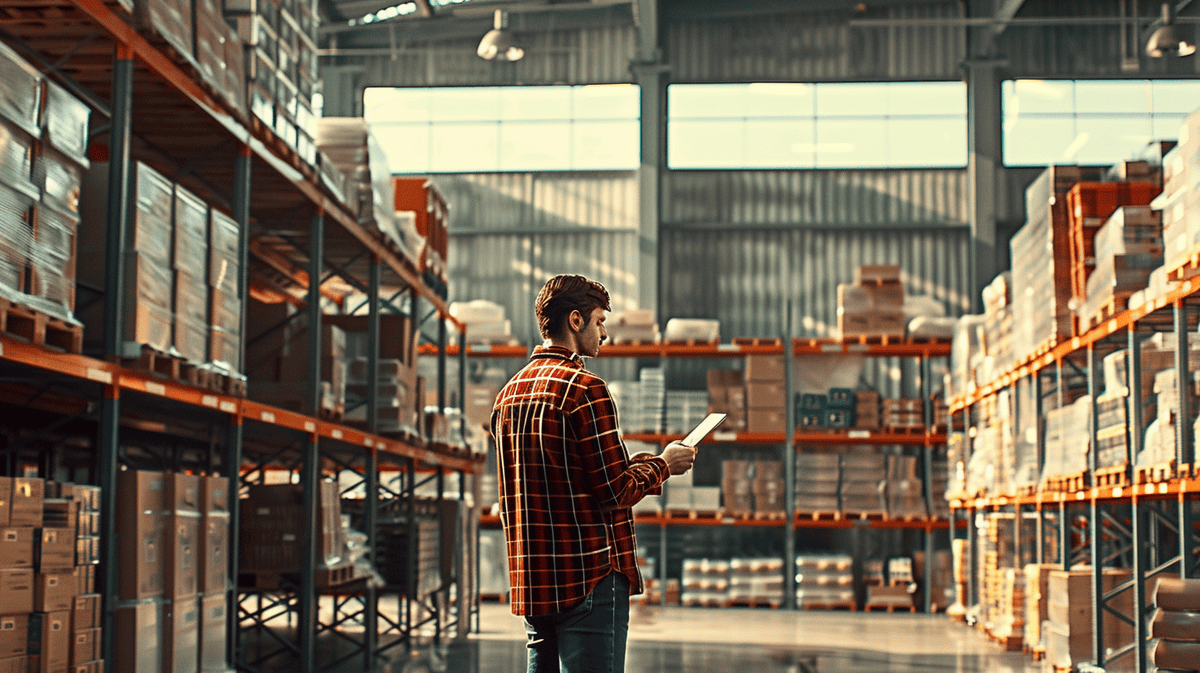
(571, 322)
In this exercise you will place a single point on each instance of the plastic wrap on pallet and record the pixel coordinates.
(65, 119)
(16, 159)
(191, 232)
(171, 20)
(16, 233)
(54, 243)
(383, 196)
(235, 71)
(223, 247)
(20, 90)
(60, 178)
(152, 230)
(981, 466)
(965, 344)
(1067, 439)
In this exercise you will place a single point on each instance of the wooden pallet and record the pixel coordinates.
(1037, 653)
(1068, 483)
(1157, 473)
(1107, 311)
(226, 384)
(1027, 489)
(1117, 475)
(873, 339)
(836, 605)
(687, 342)
(819, 516)
(1009, 643)
(494, 598)
(335, 576)
(38, 328)
(888, 607)
(904, 430)
(873, 515)
(1185, 266)
(201, 377)
(773, 604)
(752, 341)
(153, 361)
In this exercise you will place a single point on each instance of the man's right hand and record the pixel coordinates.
(679, 457)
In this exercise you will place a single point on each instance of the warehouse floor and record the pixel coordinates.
(687, 640)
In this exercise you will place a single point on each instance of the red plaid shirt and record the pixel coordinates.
(566, 484)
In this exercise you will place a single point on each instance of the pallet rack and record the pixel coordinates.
(790, 443)
(153, 108)
(1144, 522)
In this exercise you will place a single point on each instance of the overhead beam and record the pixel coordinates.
(1005, 11)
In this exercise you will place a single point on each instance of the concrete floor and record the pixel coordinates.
(697, 640)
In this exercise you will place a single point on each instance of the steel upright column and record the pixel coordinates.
(926, 380)
(311, 504)
(1184, 450)
(233, 460)
(441, 364)
(235, 432)
(373, 347)
(1134, 430)
(1095, 542)
(789, 469)
(462, 383)
(1064, 537)
(241, 214)
(316, 264)
(116, 221)
(371, 475)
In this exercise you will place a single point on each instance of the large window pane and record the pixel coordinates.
(607, 145)
(1100, 139)
(850, 144)
(1112, 97)
(705, 101)
(1166, 127)
(1038, 140)
(706, 144)
(407, 146)
(534, 146)
(923, 98)
(464, 104)
(463, 148)
(780, 144)
(851, 100)
(1029, 96)
(926, 142)
(1175, 97)
(770, 99)
(541, 103)
(607, 101)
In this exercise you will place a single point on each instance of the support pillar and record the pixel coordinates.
(107, 445)
(117, 230)
(311, 504)
(316, 263)
(984, 169)
(649, 71)
(234, 433)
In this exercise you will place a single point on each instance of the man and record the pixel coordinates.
(566, 488)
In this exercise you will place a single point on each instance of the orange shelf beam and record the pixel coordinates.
(715, 350)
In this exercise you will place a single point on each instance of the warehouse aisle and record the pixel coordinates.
(693, 640)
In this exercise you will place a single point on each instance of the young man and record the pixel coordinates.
(566, 488)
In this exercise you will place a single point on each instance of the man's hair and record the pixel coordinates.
(566, 293)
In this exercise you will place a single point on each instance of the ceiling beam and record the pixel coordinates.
(1005, 11)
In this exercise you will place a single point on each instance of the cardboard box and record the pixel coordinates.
(767, 368)
(90, 667)
(54, 549)
(181, 636)
(5, 501)
(85, 578)
(214, 615)
(85, 646)
(138, 637)
(141, 499)
(765, 395)
(50, 640)
(877, 273)
(60, 513)
(213, 572)
(54, 592)
(760, 420)
(85, 612)
(182, 492)
(26, 503)
(15, 664)
(16, 548)
(214, 495)
(182, 562)
(14, 635)
(16, 591)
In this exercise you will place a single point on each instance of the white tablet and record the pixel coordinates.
(706, 426)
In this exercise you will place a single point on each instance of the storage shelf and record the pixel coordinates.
(874, 437)
(718, 350)
(104, 373)
(682, 518)
(1174, 489)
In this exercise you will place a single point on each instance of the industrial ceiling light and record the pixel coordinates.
(499, 44)
(1169, 40)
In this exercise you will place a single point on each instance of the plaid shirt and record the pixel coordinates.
(566, 484)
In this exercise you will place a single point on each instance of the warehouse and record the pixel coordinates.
(268, 266)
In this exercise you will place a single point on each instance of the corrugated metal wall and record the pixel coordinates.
(818, 46)
(510, 232)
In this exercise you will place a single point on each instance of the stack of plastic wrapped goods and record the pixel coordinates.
(818, 476)
(1127, 249)
(824, 581)
(863, 483)
(757, 582)
(705, 582)
(1175, 625)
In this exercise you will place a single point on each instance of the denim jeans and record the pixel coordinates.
(589, 638)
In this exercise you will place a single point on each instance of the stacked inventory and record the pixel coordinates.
(635, 326)
(692, 331)
(181, 608)
(224, 278)
(281, 68)
(220, 57)
(767, 488)
(191, 297)
(1175, 624)
(737, 491)
(1037, 601)
(1070, 619)
(1003, 590)
(1180, 202)
(640, 402)
(141, 540)
(903, 415)
(756, 581)
(277, 358)
(835, 410)
(766, 391)
(873, 307)
(369, 191)
(864, 482)
(750, 487)
(897, 592)
(398, 407)
(422, 221)
(705, 582)
(49, 612)
(1041, 272)
(685, 409)
(905, 495)
(1127, 249)
(39, 188)
(818, 478)
(683, 494)
(867, 410)
(1067, 444)
(824, 581)
(966, 354)
(272, 533)
(213, 572)
(484, 321)
(996, 336)
(727, 395)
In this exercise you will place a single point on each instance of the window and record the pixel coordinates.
(1091, 121)
(834, 125)
(491, 129)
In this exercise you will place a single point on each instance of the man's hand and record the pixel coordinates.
(679, 457)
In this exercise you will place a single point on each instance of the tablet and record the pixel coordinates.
(701, 431)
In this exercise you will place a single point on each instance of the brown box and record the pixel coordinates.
(60, 513)
(764, 368)
(85, 612)
(54, 549)
(214, 613)
(85, 577)
(214, 494)
(395, 334)
(181, 563)
(14, 635)
(181, 636)
(182, 492)
(26, 503)
(765, 395)
(887, 323)
(765, 420)
(138, 638)
(6, 490)
(90, 667)
(877, 273)
(53, 592)
(16, 548)
(854, 324)
(85, 646)
(1176, 594)
(16, 591)
(886, 297)
(141, 499)
(50, 640)
(736, 487)
(213, 573)
(15, 664)
(1169, 654)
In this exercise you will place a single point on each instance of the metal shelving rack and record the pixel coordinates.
(1152, 526)
(145, 98)
(791, 444)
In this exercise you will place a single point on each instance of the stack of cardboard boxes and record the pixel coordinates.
(863, 483)
(1070, 619)
(903, 415)
(818, 478)
(824, 581)
(430, 216)
(750, 487)
(633, 326)
(756, 581)
(357, 154)
(905, 495)
(173, 542)
(49, 611)
(400, 389)
(872, 307)
(1037, 602)
(272, 529)
(705, 582)
(484, 321)
(766, 393)
(1128, 247)
(1175, 624)
(277, 359)
(727, 395)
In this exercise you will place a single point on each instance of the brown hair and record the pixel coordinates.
(566, 293)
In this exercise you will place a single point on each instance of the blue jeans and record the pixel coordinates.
(589, 638)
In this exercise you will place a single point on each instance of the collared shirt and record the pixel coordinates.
(567, 484)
